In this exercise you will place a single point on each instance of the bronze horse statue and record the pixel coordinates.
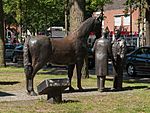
(70, 51)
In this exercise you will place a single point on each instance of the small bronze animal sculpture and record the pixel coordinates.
(70, 50)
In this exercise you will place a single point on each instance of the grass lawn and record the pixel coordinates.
(135, 98)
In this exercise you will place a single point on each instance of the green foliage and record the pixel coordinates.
(101, 3)
(135, 4)
(35, 14)
(38, 15)
(95, 4)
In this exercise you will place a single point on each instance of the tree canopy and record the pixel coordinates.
(35, 14)
(40, 14)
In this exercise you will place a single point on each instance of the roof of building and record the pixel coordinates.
(117, 4)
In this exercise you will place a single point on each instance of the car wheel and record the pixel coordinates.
(131, 70)
(14, 60)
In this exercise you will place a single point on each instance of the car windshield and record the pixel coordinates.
(147, 52)
(142, 52)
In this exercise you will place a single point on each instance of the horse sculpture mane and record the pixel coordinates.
(70, 51)
(83, 29)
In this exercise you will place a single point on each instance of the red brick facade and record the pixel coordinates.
(110, 19)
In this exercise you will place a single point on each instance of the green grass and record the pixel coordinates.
(135, 98)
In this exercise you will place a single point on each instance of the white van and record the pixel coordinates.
(56, 32)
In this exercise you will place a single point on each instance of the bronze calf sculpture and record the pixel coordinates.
(70, 50)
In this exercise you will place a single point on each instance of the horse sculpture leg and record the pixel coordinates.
(70, 74)
(30, 73)
(79, 66)
(29, 80)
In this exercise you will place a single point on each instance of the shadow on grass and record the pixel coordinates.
(55, 70)
(137, 80)
(133, 79)
(3, 94)
(60, 70)
(109, 89)
(126, 88)
(134, 87)
(70, 101)
(9, 83)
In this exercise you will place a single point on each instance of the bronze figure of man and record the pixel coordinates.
(103, 51)
(119, 50)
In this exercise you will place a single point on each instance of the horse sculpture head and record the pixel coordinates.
(97, 26)
(92, 24)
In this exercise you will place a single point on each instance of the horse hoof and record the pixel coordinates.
(81, 89)
(71, 89)
(32, 93)
(101, 90)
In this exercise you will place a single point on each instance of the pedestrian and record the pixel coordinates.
(103, 51)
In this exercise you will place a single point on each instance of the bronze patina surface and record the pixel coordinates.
(119, 53)
(70, 50)
(103, 51)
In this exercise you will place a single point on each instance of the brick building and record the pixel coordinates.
(115, 17)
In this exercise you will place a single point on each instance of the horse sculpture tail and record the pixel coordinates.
(27, 57)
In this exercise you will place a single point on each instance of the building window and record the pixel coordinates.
(117, 20)
(126, 20)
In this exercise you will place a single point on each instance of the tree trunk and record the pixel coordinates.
(2, 61)
(77, 16)
(147, 33)
(77, 9)
(66, 16)
(148, 24)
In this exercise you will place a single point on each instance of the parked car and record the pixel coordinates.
(130, 49)
(138, 61)
(56, 32)
(9, 48)
(18, 54)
